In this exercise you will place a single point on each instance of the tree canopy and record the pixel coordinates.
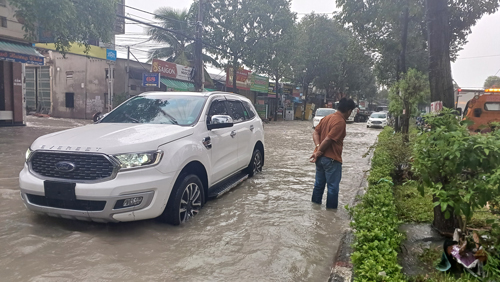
(492, 82)
(67, 21)
(178, 47)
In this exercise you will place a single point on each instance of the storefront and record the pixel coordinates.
(13, 57)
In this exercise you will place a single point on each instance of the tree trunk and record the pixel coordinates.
(235, 73)
(276, 105)
(443, 225)
(441, 83)
(404, 39)
(304, 102)
(406, 123)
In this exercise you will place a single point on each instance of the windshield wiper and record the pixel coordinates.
(131, 118)
(171, 118)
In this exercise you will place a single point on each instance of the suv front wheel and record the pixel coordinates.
(185, 201)
(256, 163)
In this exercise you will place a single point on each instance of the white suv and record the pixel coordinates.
(159, 154)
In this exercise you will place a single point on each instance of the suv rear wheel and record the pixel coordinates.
(185, 201)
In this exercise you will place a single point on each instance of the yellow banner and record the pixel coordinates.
(95, 51)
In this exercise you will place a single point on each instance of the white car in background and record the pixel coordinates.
(320, 114)
(159, 154)
(378, 119)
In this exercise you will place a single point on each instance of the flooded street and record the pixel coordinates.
(263, 230)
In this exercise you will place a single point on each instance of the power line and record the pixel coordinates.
(488, 56)
(146, 12)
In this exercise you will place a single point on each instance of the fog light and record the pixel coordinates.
(132, 202)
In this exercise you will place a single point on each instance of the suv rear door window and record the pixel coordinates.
(249, 113)
(236, 111)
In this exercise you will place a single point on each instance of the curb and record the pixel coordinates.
(342, 268)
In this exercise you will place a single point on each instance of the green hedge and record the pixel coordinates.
(375, 222)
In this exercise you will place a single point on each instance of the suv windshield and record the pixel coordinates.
(324, 112)
(378, 116)
(180, 110)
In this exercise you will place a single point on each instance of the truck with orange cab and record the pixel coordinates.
(483, 110)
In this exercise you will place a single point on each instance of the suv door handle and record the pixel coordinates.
(251, 128)
(233, 133)
(207, 142)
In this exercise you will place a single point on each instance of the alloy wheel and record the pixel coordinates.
(257, 162)
(190, 202)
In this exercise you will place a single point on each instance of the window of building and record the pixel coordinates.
(69, 75)
(133, 87)
(3, 3)
(70, 100)
(3, 21)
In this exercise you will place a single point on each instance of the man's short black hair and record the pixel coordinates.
(346, 105)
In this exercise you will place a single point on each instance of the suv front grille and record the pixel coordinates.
(87, 167)
(79, 205)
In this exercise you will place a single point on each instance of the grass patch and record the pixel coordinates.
(411, 206)
(431, 257)
(480, 217)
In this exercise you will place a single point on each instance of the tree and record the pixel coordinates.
(492, 82)
(406, 94)
(67, 21)
(392, 29)
(274, 50)
(234, 27)
(179, 49)
(449, 23)
(460, 169)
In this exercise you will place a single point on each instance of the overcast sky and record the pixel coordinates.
(479, 59)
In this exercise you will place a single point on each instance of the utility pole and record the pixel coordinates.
(198, 64)
(127, 71)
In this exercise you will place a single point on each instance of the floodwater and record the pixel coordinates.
(264, 230)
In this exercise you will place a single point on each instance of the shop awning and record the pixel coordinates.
(19, 53)
(177, 85)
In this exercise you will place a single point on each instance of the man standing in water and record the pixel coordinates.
(329, 139)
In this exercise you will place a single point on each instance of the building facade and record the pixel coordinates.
(15, 53)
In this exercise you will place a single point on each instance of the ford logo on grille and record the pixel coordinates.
(65, 166)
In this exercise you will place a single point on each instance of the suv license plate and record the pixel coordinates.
(59, 190)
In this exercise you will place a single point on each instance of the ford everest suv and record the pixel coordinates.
(159, 154)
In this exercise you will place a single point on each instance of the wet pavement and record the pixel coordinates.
(264, 230)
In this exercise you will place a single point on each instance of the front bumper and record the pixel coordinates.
(315, 123)
(371, 124)
(149, 183)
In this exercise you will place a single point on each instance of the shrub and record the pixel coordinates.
(375, 222)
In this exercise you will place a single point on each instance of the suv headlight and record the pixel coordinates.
(28, 153)
(137, 160)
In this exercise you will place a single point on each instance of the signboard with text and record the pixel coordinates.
(272, 90)
(259, 83)
(168, 69)
(150, 79)
(436, 107)
(243, 78)
(21, 58)
(287, 89)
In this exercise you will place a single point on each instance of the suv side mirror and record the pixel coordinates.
(97, 117)
(220, 121)
(477, 112)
